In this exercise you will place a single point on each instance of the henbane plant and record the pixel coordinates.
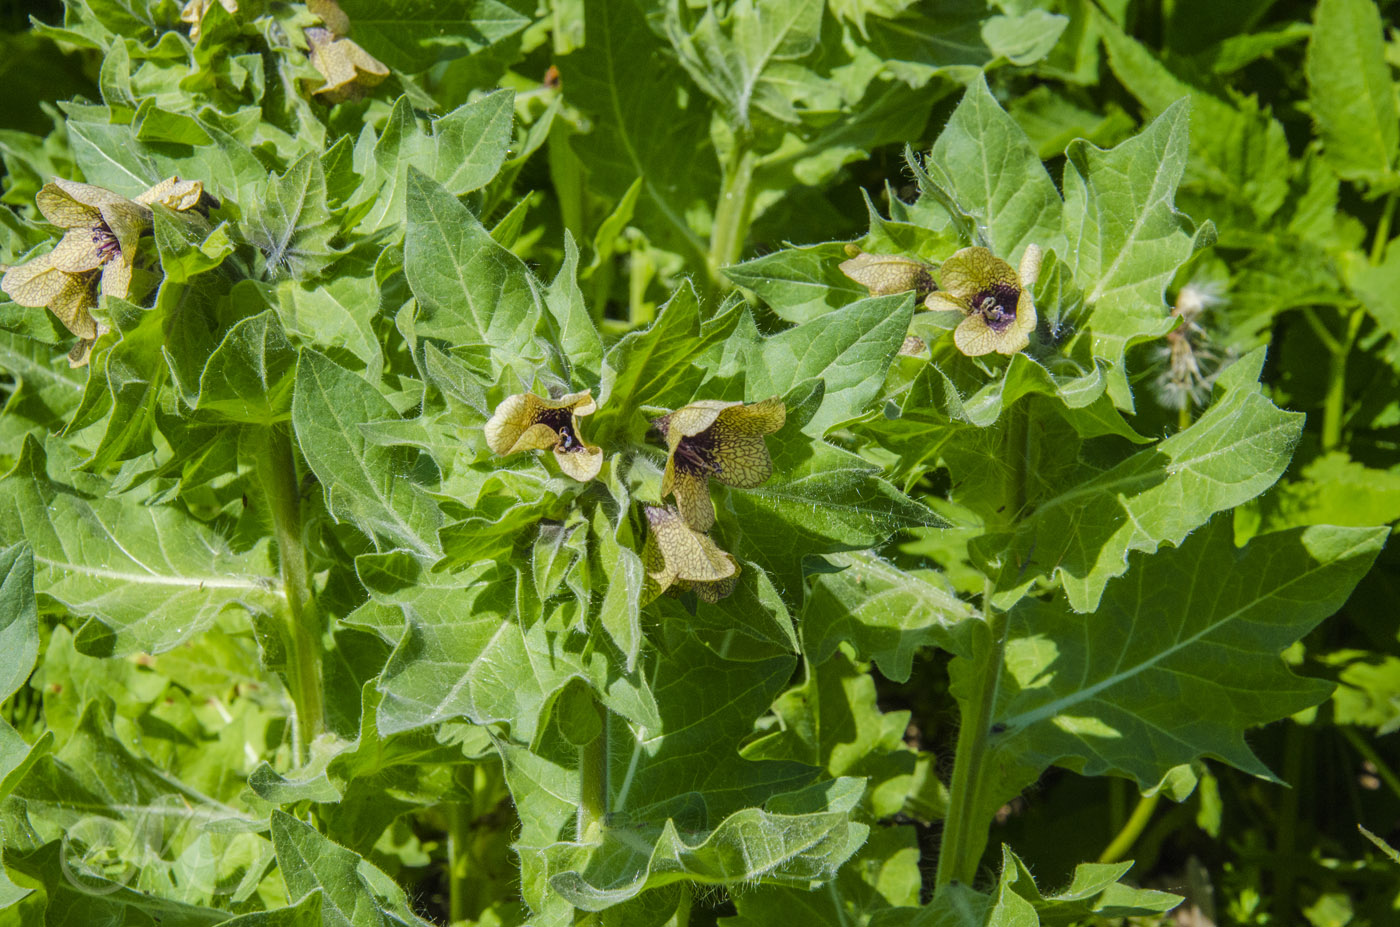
(418, 546)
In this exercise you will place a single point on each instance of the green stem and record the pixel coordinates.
(734, 210)
(459, 825)
(1383, 228)
(278, 474)
(964, 830)
(593, 783)
(1286, 839)
(1334, 405)
(1137, 822)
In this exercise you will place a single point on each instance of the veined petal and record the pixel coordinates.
(582, 462)
(972, 270)
(692, 492)
(116, 276)
(76, 252)
(174, 193)
(942, 300)
(758, 418)
(742, 460)
(34, 283)
(883, 274)
(62, 209)
(689, 421)
(688, 554)
(73, 304)
(126, 220)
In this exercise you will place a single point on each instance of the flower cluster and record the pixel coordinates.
(993, 297)
(706, 439)
(97, 253)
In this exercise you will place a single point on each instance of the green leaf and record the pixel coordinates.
(1084, 528)
(646, 132)
(1126, 239)
(19, 618)
(580, 347)
(470, 290)
(413, 35)
(799, 284)
(1351, 92)
(997, 177)
(249, 376)
(467, 653)
(148, 577)
(364, 483)
(849, 349)
(290, 222)
(885, 613)
(831, 720)
(1203, 622)
(352, 890)
(883, 876)
(829, 503)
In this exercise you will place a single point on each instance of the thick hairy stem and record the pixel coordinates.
(459, 825)
(277, 472)
(733, 212)
(593, 782)
(964, 829)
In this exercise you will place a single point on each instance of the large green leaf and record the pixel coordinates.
(1125, 237)
(1351, 91)
(1202, 624)
(364, 483)
(148, 577)
(412, 35)
(996, 176)
(1083, 530)
(471, 292)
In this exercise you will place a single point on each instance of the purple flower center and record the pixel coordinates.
(997, 306)
(106, 244)
(562, 421)
(697, 453)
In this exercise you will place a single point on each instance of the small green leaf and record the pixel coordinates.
(290, 223)
(249, 376)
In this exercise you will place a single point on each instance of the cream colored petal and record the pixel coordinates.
(913, 346)
(972, 270)
(759, 418)
(582, 463)
(347, 68)
(578, 403)
(941, 300)
(510, 420)
(742, 460)
(883, 274)
(73, 305)
(76, 252)
(692, 419)
(713, 591)
(173, 193)
(692, 493)
(116, 277)
(1029, 271)
(689, 554)
(61, 209)
(974, 337)
(34, 283)
(1017, 337)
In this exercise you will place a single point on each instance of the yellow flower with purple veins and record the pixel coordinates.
(994, 298)
(677, 557)
(525, 422)
(883, 274)
(102, 231)
(716, 439)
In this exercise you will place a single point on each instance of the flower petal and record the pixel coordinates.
(972, 270)
(73, 304)
(939, 300)
(759, 418)
(742, 460)
(81, 353)
(173, 193)
(688, 421)
(883, 274)
(76, 252)
(580, 462)
(61, 208)
(692, 492)
(974, 337)
(34, 283)
(689, 554)
(116, 277)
